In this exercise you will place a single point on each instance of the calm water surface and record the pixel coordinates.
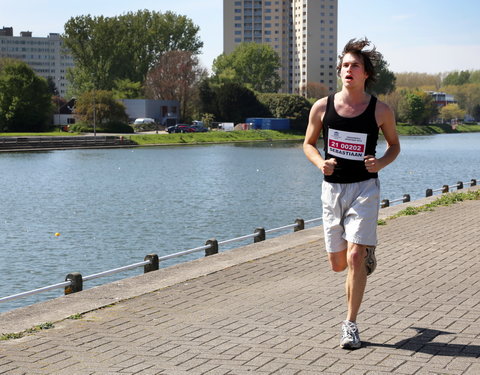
(112, 207)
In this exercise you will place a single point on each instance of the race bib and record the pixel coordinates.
(346, 145)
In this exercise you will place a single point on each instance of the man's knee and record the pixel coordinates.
(356, 256)
(338, 267)
(338, 261)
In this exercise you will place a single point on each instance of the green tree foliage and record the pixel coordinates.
(250, 64)
(451, 112)
(423, 81)
(207, 98)
(106, 49)
(99, 106)
(411, 108)
(230, 102)
(467, 96)
(25, 100)
(476, 112)
(126, 89)
(291, 106)
(457, 78)
(236, 102)
(430, 108)
(385, 82)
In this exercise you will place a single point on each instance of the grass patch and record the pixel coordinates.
(444, 200)
(75, 317)
(405, 129)
(215, 137)
(18, 335)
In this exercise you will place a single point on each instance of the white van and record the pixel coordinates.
(145, 120)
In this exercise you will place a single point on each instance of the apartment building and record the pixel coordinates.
(45, 55)
(302, 32)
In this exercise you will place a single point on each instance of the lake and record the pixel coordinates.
(111, 207)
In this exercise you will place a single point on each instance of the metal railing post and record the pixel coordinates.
(213, 249)
(76, 283)
(153, 265)
(259, 235)
(300, 225)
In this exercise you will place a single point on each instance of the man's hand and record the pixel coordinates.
(328, 166)
(372, 164)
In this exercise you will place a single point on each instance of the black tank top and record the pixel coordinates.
(348, 140)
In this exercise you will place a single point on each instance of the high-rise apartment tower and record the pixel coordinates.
(45, 55)
(302, 32)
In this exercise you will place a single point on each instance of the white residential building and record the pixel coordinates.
(45, 55)
(302, 32)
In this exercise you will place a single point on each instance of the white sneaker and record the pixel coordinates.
(350, 337)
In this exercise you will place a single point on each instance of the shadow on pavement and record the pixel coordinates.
(421, 343)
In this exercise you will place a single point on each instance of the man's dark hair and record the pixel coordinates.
(370, 57)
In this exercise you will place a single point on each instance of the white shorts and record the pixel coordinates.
(350, 213)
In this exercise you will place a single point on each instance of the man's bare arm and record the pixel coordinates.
(311, 137)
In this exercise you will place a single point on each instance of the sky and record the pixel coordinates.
(425, 36)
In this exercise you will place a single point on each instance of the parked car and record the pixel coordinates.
(180, 128)
(199, 128)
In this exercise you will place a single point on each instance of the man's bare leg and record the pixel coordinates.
(356, 279)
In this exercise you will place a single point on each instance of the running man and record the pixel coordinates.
(350, 121)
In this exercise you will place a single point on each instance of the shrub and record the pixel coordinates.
(109, 127)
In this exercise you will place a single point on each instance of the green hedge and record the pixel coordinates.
(109, 127)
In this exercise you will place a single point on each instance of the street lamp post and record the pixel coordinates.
(94, 116)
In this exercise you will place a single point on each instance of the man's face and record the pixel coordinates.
(352, 71)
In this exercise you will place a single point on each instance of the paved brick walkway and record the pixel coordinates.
(281, 314)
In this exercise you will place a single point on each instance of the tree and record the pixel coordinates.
(100, 107)
(251, 64)
(25, 100)
(124, 47)
(207, 98)
(451, 112)
(315, 90)
(52, 87)
(291, 106)
(393, 100)
(430, 108)
(467, 96)
(385, 80)
(411, 108)
(476, 112)
(412, 80)
(235, 103)
(457, 78)
(126, 89)
(175, 77)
